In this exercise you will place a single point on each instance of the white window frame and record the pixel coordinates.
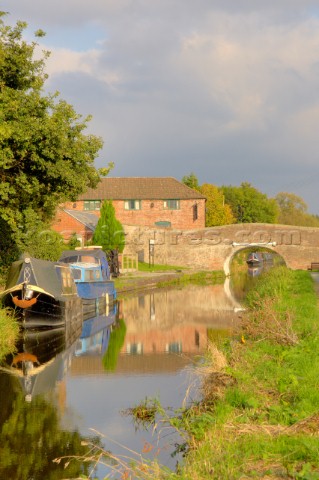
(171, 204)
(132, 204)
(96, 204)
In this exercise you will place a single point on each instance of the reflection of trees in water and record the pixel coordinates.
(116, 342)
(240, 284)
(31, 438)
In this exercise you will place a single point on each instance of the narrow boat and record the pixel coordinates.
(42, 293)
(254, 258)
(92, 277)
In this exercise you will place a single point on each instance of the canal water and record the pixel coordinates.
(65, 392)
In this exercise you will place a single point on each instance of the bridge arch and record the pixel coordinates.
(237, 249)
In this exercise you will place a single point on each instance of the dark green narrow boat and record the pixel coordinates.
(43, 293)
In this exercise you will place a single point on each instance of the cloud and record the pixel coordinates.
(228, 90)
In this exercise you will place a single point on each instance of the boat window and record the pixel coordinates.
(76, 272)
(72, 259)
(97, 275)
(68, 285)
(88, 275)
(88, 258)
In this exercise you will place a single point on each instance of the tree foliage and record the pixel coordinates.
(217, 212)
(45, 158)
(109, 232)
(249, 205)
(191, 181)
(294, 211)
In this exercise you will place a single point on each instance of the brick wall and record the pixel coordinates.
(152, 211)
(67, 226)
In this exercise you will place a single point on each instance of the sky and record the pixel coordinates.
(225, 89)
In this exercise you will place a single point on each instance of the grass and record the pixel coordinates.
(197, 278)
(146, 267)
(9, 331)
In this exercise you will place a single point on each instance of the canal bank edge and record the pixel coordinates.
(130, 283)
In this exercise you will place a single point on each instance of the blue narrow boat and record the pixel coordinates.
(92, 277)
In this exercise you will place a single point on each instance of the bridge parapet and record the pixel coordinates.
(211, 248)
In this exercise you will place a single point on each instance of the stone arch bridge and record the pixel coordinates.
(213, 248)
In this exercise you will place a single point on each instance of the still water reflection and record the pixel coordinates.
(67, 386)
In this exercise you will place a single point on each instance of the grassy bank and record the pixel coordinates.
(9, 330)
(259, 415)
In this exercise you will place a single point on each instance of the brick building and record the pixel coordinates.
(159, 202)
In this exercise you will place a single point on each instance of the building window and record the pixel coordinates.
(92, 205)
(132, 204)
(171, 204)
(195, 212)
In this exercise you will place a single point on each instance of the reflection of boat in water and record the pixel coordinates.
(43, 293)
(96, 332)
(254, 271)
(91, 273)
(42, 358)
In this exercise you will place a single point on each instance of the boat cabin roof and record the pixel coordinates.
(85, 255)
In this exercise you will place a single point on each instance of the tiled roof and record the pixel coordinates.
(140, 188)
(89, 220)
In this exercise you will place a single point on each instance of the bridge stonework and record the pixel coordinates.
(213, 248)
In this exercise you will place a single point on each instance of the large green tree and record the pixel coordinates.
(45, 158)
(249, 205)
(109, 232)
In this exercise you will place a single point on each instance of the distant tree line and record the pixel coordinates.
(228, 204)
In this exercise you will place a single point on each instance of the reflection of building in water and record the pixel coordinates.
(165, 330)
(175, 321)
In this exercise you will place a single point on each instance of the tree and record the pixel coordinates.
(294, 211)
(217, 212)
(109, 232)
(191, 181)
(45, 158)
(249, 205)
